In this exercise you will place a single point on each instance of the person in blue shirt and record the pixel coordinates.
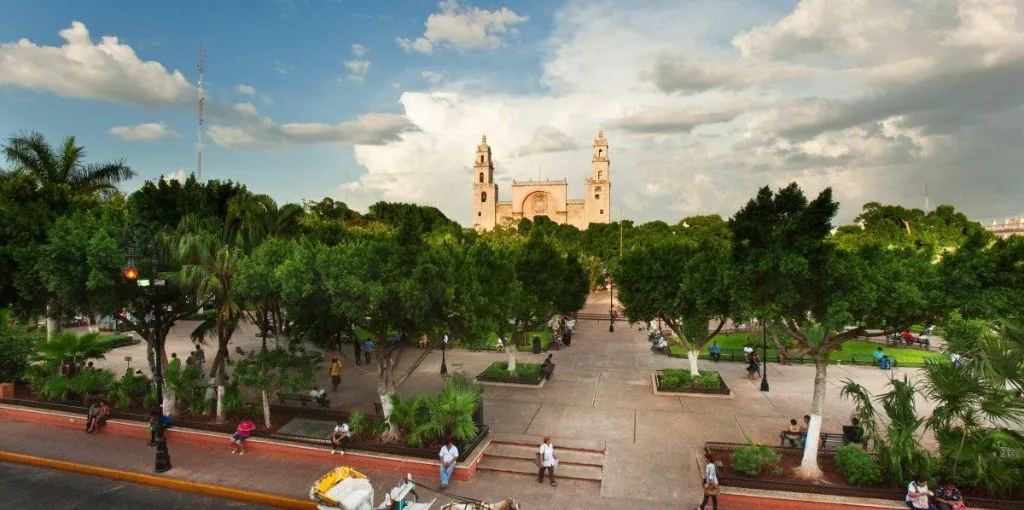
(368, 350)
(881, 359)
(716, 351)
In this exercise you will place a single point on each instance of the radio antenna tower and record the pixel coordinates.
(202, 106)
(926, 204)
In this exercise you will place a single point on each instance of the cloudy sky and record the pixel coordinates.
(702, 101)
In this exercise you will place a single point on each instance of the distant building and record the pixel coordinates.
(541, 198)
(1009, 227)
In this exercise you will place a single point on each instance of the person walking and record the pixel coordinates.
(710, 482)
(449, 456)
(368, 350)
(357, 351)
(546, 460)
(335, 374)
(200, 356)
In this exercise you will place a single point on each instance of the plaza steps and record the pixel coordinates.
(582, 462)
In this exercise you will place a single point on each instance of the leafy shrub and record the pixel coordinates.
(857, 466)
(673, 378)
(357, 423)
(127, 390)
(16, 345)
(233, 400)
(751, 459)
(527, 371)
(709, 381)
(116, 341)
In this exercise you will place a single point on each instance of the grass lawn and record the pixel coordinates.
(736, 341)
(524, 371)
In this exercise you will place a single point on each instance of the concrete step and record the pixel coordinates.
(529, 452)
(528, 468)
(561, 443)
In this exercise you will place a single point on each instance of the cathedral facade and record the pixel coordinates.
(542, 198)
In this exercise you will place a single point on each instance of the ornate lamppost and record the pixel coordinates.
(131, 273)
(764, 353)
(444, 362)
(611, 302)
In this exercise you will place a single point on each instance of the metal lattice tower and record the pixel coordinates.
(202, 106)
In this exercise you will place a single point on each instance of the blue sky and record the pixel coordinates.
(703, 101)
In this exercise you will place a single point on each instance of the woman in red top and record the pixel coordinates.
(241, 434)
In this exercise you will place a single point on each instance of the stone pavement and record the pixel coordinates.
(602, 392)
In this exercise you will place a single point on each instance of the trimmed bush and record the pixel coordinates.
(527, 371)
(752, 459)
(857, 466)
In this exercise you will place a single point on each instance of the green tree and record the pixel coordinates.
(63, 180)
(277, 370)
(685, 284)
(17, 343)
(982, 279)
(257, 285)
(790, 273)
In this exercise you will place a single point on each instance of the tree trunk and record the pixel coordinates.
(222, 413)
(385, 387)
(52, 325)
(170, 403)
(809, 464)
(266, 409)
(691, 355)
(510, 350)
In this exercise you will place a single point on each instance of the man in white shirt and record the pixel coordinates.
(747, 351)
(546, 461)
(449, 456)
(917, 493)
(340, 438)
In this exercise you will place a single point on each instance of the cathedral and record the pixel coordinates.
(541, 198)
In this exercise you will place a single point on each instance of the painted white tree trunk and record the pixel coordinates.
(51, 324)
(222, 413)
(809, 464)
(510, 351)
(170, 403)
(392, 433)
(691, 355)
(266, 408)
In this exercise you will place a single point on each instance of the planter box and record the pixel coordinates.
(7, 390)
(509, 381)
(723, 392)
(738, 480)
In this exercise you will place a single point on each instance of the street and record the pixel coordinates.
(29, 487)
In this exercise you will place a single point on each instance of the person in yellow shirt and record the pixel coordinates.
(335, 373)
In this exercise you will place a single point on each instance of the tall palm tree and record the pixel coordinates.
(64, 178)
(252, 218)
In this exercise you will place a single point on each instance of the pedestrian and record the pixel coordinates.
(710, 482)
(241, 435)
(200, 356)
(340, 437)
(449, 456)
(335, 373)
(174, 363)
(368, 350)
(546, 460)
(357, 350)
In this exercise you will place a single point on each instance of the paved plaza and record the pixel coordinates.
(600, 394)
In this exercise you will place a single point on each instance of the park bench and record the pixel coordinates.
(868, 359)
(829, 441)
(302, 399)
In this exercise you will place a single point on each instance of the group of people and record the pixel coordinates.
(363, 351)
(753, 362)
(796, 433)
(946, 497)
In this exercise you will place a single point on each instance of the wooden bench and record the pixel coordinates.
(828, 441)
(302, 399)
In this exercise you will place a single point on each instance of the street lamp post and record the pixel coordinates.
(131, 273)
(764, 352)
(444, 362)
(611, 305)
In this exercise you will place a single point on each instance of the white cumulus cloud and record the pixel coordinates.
(143, 132)
(246, 90)
(432, 77)
(464, 27)
(81, 68)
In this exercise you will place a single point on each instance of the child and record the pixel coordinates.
(242, 434)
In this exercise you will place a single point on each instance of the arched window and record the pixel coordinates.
(481, 177)
(597, 197)
(481, 159)
(483, 196)
(600, 152)
(478, 214)
(598, 174)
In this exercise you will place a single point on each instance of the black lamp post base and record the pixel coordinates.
(611, 327)
(163, 458)
(764, 384)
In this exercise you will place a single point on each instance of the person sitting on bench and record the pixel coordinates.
(907, 336)
(547, 368)
(716, 351)
(97, 416)
(792, 434)
(319, 395)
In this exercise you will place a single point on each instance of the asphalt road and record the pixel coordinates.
(30, 488)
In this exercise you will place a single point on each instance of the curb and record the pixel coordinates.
(218, 491)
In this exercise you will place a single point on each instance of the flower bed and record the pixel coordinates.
(832, 483)
(677, 380)
(526, 374)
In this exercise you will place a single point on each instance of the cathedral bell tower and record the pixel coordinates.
(598, 201)
(485, 192)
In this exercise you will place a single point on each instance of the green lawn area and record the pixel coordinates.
(736, 341)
